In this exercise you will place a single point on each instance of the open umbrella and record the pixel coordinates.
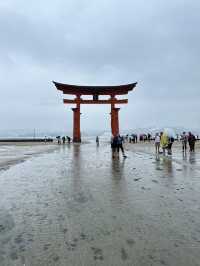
(170, 132)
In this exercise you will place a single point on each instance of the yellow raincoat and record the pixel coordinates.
(164, 141)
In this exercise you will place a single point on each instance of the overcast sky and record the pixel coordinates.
(99, 42)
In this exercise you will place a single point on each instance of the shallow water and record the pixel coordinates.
(78, 206)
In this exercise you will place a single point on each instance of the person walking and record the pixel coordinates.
(191, 141)
(63, 139)
(68, 139)
(120, 145)
(136, 138)
(97, 141)
(164, 141)
(58, 139)
(157, 143)
(149, 137)
(114, 143)
(170, 143)
(184, 140)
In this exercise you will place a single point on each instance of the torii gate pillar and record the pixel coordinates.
(76, 124)
(115, 121)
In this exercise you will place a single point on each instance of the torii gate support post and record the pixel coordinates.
(76, 125)
(114, 117)
(76, 122)
(115, 121)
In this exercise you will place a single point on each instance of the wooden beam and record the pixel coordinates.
(115, 101)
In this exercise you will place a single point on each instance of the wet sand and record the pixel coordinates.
(77, 206)
(190, 159)
(14, 153)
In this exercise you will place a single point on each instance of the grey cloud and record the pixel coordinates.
(100, 42)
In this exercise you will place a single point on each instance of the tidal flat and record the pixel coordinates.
(75, 205)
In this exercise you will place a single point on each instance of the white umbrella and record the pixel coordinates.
(170, 132)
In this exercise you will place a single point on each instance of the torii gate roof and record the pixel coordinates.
(92, 90)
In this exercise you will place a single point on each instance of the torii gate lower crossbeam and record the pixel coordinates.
(95, 92)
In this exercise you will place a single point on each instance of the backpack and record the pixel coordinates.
(119, 140)
(115, 141)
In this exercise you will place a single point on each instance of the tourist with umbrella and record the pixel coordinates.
(171, 136)
(164, 141)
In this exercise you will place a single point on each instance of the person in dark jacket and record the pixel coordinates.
(114, 143)
(58, 139)
(120, 145)
(169, 147)
(191, 141)
(63, 139)
(68, 139)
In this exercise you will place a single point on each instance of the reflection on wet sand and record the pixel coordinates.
(165, 164)
(117, 168)
(184, 156)
(192, 158)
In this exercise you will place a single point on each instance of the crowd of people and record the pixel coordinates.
(164, 141)
(190, 139)
(63, 139)
(117, 146)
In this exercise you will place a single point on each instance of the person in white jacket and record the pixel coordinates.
(157, 143)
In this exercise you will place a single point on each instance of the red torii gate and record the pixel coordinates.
(95, 91)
